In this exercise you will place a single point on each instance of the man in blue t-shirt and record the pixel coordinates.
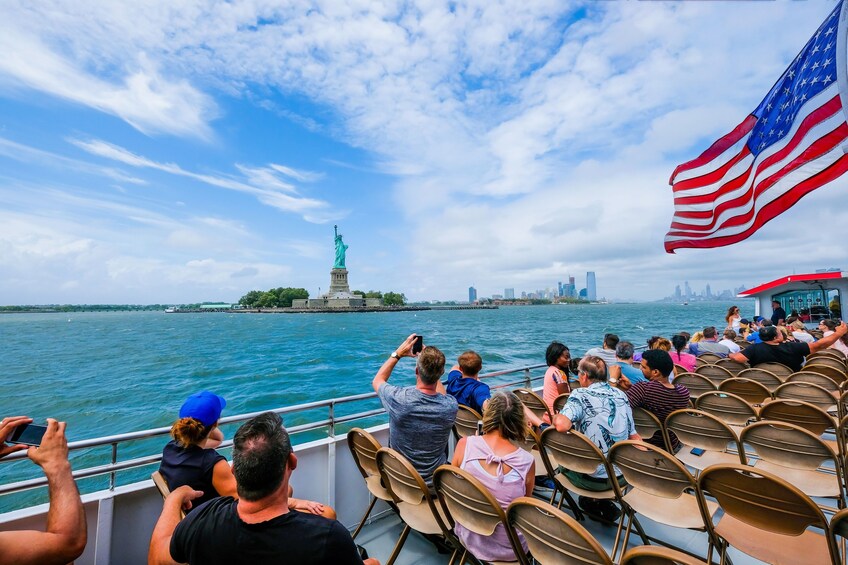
(464, 385)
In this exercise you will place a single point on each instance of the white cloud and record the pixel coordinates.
(263, 183)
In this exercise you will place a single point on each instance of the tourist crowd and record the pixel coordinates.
(244, 511)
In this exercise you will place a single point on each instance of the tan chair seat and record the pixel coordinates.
(811, 483)
(810, 547)
(420, 518)
(680, 512)
(708, 458)
(604, 494)
(376, 488)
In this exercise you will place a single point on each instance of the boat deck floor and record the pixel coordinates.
(379, 538)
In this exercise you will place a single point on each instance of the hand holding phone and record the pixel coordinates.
(7, 428)
(418, 345)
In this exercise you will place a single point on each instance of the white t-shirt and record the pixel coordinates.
(731, 345)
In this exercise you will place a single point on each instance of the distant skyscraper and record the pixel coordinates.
(509, 293)
(709, 293)
(687, 291)
(677, 293)
(591, 289)
(472, 294)
(559, 289)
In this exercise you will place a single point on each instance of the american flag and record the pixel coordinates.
(789, 146)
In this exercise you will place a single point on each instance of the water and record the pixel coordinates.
(116, 372)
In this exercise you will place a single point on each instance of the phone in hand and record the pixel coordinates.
(697, 451)
(418, 346)
(28, 434)
(479, 427)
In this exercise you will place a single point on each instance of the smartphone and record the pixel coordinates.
(479, 427)
(697, 451)
(418, 346)
(28, 434)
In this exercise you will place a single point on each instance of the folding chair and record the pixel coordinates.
(714, 373)
(363, 447)
(559, 402)
(766, 517)
(534, 403)
(752, 392)
(647, 424)
(466, 422)
(660, 488)
(839, 532)
(413, 500)
(466, 501)
(575, 452)
(553, 536)
(815, 378)
(653, 555)
(762, 376)
(707, 434)
(696, 384)
(806, 392)
(728, 407)
(797, 455)
(162, 486)
(779, 369)
(826, 367)
(709, 357)
(733, 366)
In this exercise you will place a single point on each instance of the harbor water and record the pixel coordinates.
(110, 373)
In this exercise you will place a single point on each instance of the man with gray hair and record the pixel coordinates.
(603, 414)
(420, 417)
(258, 527)
(623, 357)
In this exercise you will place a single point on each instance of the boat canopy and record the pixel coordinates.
(814, 296)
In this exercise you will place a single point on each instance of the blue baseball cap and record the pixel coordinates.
(203, 406)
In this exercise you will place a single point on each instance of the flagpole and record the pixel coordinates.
(842, 63)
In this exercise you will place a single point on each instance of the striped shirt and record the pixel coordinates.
(661, 401)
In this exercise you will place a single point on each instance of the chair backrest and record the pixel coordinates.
(727, 407)
(762, 500)
(468, 502)
(701, 429)
(572, 450)
(750, 391)
(363, 446)
(647, 424)
(762, 376)
(534, 403)
(680, 369)
(697, 384)
(839, 529)
(162, 486)
(829, 352)
(559, 402)
(709, 357)
(806, 392)
(835, 373)
(553, 536)
(466, 422)
(714, 373)
(787, 445)
(650, 469)
(410, 493)
(731, 365)
(820, 379)
(779, 369)
(800, 413)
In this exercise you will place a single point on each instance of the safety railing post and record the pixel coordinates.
(112, 475)
(527, 378)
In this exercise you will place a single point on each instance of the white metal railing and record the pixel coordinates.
(329, 423)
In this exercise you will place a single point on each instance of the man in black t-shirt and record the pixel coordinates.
(258, 528)
(778, 314)
(792, 354)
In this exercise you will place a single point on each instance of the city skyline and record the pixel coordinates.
(164, 152)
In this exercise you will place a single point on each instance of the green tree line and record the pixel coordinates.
(389, 298)
(274, 298)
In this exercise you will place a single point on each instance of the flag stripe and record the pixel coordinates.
(769, 211)
(716, 149)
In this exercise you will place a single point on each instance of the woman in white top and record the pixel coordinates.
(827, 326)
(799, 332)
(733, 318)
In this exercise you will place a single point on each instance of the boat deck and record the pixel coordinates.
(379, 538)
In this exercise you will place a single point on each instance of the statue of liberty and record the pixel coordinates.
(341, 248)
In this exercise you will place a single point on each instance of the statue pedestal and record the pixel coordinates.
(338, 282)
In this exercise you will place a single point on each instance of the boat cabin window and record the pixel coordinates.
(812, 305)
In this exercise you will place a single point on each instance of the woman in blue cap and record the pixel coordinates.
(190, 458)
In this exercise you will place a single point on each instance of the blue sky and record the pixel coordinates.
(177, 152)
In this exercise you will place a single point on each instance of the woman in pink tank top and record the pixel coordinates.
(507, 471)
